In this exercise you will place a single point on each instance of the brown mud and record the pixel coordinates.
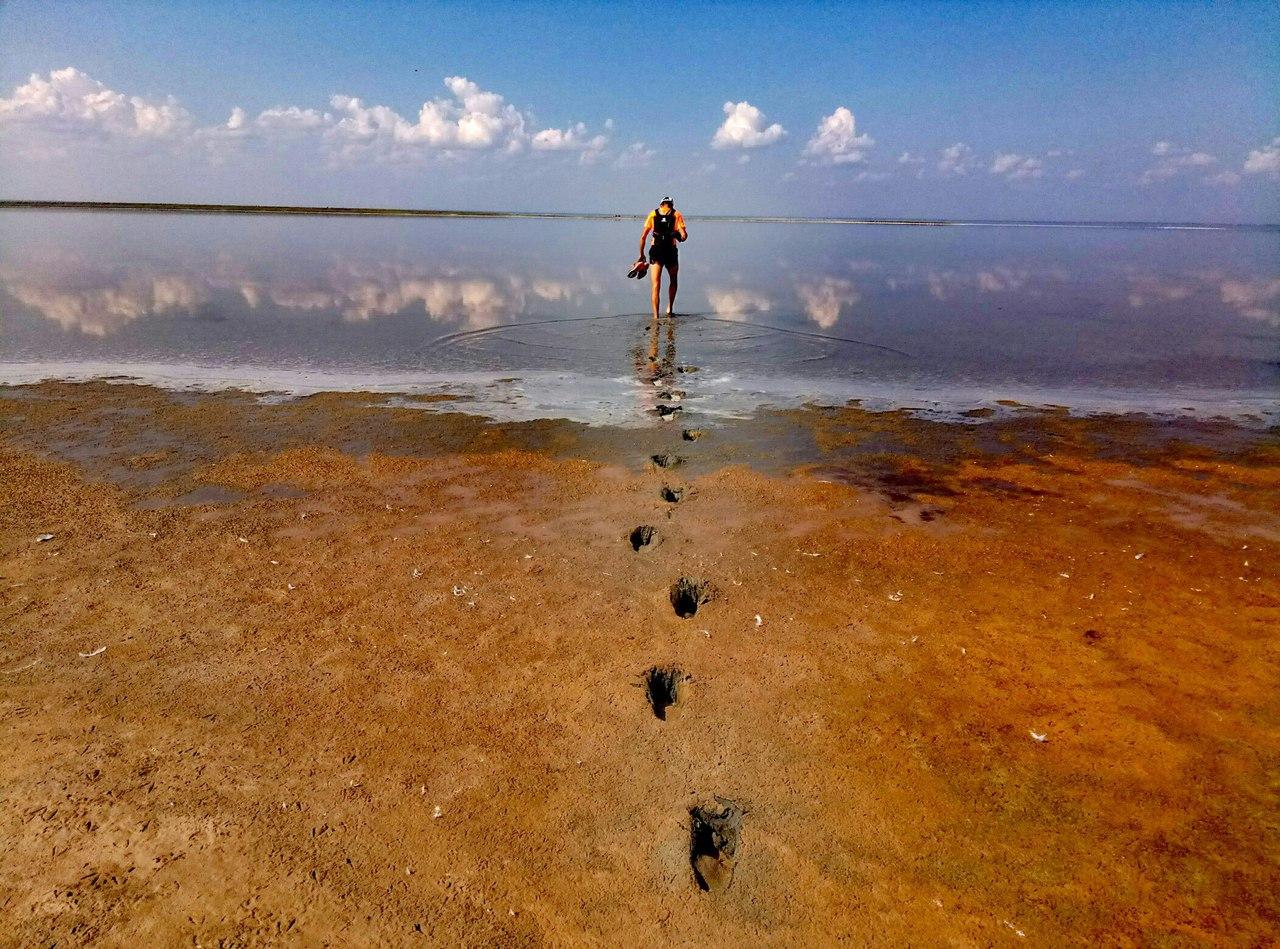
(328, 671)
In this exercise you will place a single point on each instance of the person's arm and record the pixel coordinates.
(644, 237)
(681, 231)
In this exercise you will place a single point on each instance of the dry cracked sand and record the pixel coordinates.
(331, 672)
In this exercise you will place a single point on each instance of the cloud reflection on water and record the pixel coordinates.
(100, 303)
(987, 311)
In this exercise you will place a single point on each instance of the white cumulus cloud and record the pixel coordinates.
(837, 141)
(956, 159)
(1264, 160)
(1174, 161)
(473, 119)
(68, 100)
(744, 127)
(288, 118)
(575, 138)
(635, 155)
(1017, 167)
(68, 107)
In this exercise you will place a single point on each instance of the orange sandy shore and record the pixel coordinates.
(374, 675)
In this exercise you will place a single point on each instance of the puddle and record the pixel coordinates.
(205, 494)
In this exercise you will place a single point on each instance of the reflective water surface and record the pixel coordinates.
(535, 317)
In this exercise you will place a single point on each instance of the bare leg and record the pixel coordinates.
(655, 275)
(673, 272)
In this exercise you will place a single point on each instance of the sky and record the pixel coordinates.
(1138, 111)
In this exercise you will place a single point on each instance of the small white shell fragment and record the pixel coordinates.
(896, 597)
(459, 591)
(44, 538)
(97, 652)
(1138, 556)
(437, 813)
(1039, 736)
(759, 621)
(243, 540)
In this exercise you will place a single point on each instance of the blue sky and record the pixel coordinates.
(1151, 111)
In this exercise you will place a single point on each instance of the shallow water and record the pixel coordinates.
(534, 318)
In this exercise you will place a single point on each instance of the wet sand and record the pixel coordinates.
(377, 674)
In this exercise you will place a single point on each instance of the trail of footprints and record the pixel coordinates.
(715, 829)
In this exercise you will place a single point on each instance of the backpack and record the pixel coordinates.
(664, 225)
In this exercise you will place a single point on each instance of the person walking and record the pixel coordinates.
(667, 226)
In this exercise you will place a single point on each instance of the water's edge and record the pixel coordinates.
(19, 204)
(624, 400)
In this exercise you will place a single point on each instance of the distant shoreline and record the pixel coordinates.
(323, 211)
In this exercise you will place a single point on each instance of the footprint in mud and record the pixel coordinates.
(666, 460)
(642, 536)
(662, 688)
(671, 495)
(916, 514)
(715, 834)
(689, 593)
(692, 434)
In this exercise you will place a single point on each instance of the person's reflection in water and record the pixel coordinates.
(656, 373)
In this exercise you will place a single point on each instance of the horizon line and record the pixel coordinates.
(182, 207)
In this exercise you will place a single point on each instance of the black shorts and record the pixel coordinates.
(664, 254)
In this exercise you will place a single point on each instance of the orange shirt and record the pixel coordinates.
(648, 222)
